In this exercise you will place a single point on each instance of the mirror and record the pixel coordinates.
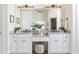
(33, 16)
(52, 18)
(46, 17)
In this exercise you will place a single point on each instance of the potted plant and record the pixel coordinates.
(16, 29)
(36, 26)
(62, 29)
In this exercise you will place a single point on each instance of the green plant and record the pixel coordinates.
(62, 29)
(33, 28)
(38, 26)
(17, 29)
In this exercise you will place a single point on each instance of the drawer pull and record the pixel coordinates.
(39, 39)
(56, 40)
(64, 40)
(23, 40)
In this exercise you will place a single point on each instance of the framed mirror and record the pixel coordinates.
(11, 19)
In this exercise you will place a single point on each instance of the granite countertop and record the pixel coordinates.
(42, 35)
(21, 33)
(31, 32)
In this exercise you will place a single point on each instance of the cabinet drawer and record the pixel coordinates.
(40, 38)
(22, 36)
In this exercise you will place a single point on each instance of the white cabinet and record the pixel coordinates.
(66, 44)
(53, 45)
(13, 44)
(56, 45)
(39, 38)
(20, 44)
(60, 43)
(24, 46)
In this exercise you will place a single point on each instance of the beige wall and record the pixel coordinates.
(67, 12)
(4, 29)
(1, 10)
(11, 11)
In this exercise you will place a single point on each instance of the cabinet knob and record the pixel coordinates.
(39, 39)
(64, 40)
(56, 40)
(23, 40)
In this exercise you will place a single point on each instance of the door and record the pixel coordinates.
(13, 44)
(57, 45)
(66, 45)
(54, 45)
(60, 45)
(24, 46)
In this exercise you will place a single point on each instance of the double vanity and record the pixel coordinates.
(55, 23)
(57, 42)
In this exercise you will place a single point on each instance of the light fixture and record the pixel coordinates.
(53, 6)
(39, 6)
(24, 5)
(20, 5)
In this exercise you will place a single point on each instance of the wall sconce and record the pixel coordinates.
(24, 5)
(53, 6)
(20, 5)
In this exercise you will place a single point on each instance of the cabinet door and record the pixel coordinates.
(13, 45)
(53, 45)
(60, 45)
(66, 45)
(56, 45)
(24, 46)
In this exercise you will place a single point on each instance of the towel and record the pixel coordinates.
(39, 48)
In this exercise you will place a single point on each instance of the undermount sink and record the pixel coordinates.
(40, 35)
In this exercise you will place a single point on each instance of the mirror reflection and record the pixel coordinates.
(43, 18)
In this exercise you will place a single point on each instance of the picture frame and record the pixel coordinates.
(11, 19)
